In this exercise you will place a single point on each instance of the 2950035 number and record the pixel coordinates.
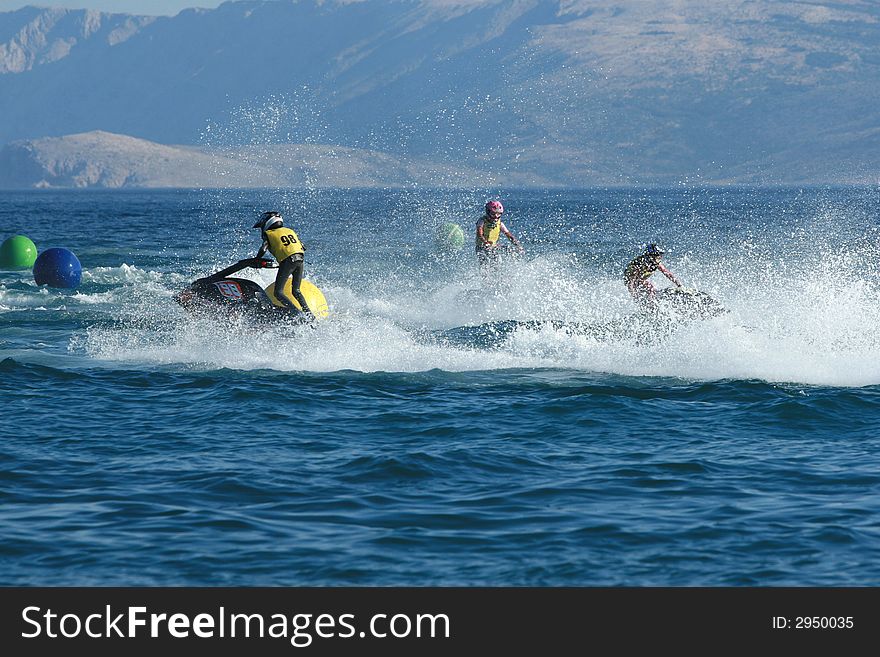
(823, 622)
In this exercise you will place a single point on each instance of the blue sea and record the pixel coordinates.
(404, 440)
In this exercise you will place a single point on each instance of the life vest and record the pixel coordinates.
(640, 268)
(491, 232)
(283, 242)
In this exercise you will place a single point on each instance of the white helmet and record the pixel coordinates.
(269, 220)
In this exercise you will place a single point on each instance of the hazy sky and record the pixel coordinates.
(141, 7)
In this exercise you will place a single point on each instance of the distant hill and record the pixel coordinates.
(571, 92)
(105, 160)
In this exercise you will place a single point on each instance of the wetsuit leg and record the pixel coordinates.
(285, 268)
(488, 261)
(296, 280)
(646, 296)
(642, 292)
(487, 256)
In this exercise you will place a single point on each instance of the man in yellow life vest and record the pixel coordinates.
(489, 230)
(283, 243)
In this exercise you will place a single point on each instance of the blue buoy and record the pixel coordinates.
(57, 268)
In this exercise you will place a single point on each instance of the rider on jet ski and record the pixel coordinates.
(283, 243)
(639, 271)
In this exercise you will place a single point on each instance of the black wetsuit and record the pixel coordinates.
(291, 266)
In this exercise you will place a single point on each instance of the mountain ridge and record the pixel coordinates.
(101, 159)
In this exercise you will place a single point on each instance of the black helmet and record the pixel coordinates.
(269, 220)
(654, 250)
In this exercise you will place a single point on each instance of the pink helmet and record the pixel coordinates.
(494, 207)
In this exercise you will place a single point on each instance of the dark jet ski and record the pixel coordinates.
(223, 294)
(685, 303)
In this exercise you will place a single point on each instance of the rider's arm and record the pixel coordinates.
(669, 274)
(263, 247)
(480, 237)
(509, 235)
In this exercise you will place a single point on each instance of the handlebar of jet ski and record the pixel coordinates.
(258, 263)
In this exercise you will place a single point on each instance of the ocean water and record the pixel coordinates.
(396, 444)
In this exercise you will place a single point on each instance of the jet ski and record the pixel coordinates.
(223, 294)
(686, 303)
